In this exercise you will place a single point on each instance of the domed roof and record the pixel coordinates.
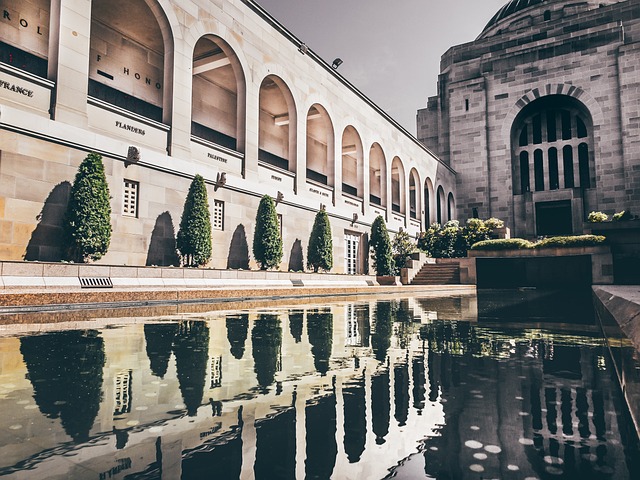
(510, 8)
(513, 7)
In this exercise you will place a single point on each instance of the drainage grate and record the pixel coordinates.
(95, 282)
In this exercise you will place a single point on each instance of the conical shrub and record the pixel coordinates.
(380, 245)
(194, 237)
(87, 222)
(267, 242)
(320, 248)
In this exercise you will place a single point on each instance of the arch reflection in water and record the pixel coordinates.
(317, 403)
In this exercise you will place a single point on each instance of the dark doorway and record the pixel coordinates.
(554, 218)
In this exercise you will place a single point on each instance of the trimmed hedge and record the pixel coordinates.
(571, 241)
(551, 242)
(503, 244)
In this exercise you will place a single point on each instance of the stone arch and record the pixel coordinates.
(415, 196)
(590, 103)
(352, 162)
(218, 112)
(377, 176)
(277, 124)
(429, 202)
(320, 145)
(451, 207)
(440, 205)
(398, 187)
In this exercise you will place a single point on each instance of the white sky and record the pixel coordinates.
(391, 48)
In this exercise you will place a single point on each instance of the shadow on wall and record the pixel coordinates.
(296, 258)
(47, 240)
(162, 247)
(238, 250)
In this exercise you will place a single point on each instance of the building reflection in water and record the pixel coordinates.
(467, 400)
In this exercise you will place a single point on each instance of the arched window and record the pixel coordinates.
(377, 176)
(352, 164)
(127, 61)
(553, 123)
(538, 170)
(554, 179)
(414, 194)
(397, 186)
(440, 205)
(428, 202)
(525, 185)
(451, 207)
(567, 163)
(26, 45)
(583, 165)
(277, 132)
(319, 146)
(217, 113)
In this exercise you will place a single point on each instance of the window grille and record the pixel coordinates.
(130, 198)
(218, 215)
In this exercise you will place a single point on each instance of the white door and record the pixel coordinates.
(351, 247)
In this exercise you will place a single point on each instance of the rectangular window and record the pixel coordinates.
(218, 215)
(130, 198)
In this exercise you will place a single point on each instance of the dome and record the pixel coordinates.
(516, 6)
(510, 8)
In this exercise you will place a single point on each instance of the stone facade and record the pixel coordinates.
(536, 65)
(215, 87)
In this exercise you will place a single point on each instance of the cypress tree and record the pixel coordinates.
(267, 243)
(320, 248)
(87, 222)
(194, 237)
(381, 248)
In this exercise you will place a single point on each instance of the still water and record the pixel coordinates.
(388, 388)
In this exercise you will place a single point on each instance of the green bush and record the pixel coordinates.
(403, 246)
(380, 245)
(503, 244)
(267, 242)
(320, 248)
(493, 223)
(194, 236)
(551, 242)
(571, 241)
(87, 223)
(622, 216)
(597, 217)
(453, 241)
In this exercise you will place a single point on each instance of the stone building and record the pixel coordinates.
(539, 115)
(166, 89)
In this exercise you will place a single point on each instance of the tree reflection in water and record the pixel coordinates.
(383, 328)
(320, 426)
(276, 446)
(380, 405)
(237, 330)
(159, 340)
(65, 370)
(266, 340)
(320, 332)
(355, 420)
(295, 324)
(191, 348)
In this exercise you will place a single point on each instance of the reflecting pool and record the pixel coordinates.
(418, 387)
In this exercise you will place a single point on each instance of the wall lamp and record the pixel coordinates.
(221, 180)
(336, 63)
(133, 156)
(323, 207)
(354, 219)
(279, 198)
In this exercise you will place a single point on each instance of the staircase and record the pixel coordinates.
(437, 274)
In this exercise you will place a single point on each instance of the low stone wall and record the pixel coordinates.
(618, 309)
(39, 275)
(536, 265)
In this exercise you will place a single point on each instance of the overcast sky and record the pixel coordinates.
(391, 48)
